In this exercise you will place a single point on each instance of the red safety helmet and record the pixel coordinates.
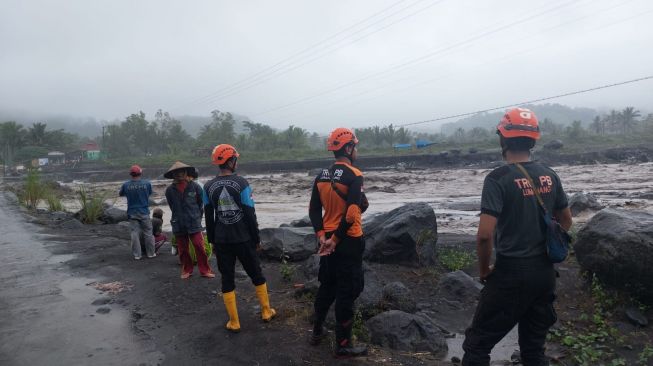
(340, 137)
(135, 170)
(519, 122)
(222, 153)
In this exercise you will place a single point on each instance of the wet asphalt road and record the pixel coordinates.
(47, 314)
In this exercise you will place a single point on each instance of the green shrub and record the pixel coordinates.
(91, 206)
(208, 248)
(359, 329)
(54, 203)
(455, 259)
(286, 269)
(33, 190)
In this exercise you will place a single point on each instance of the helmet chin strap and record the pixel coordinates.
(350, 156)
(232, 164)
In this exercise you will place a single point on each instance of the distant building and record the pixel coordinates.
(56, 158)
(91, 151)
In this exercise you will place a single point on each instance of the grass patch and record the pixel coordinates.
(645, 356)
(455, 259)
(590, 337)
(286, 269)
(91, 206)
(53, 201)
(34, 190)
(359, 329)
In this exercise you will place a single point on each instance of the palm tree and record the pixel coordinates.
(598, 125)
(614, 120)
(11, 137)
(36, 134)
(629, 119)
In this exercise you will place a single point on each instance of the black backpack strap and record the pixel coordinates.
(335, 188)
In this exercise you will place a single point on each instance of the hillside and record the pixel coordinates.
(558, 113)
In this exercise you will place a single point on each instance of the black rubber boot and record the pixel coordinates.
(319, 332)
(344, 346)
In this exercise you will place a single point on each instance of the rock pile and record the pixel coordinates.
(406, 235)
(617, 245)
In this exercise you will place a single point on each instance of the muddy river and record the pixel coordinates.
(454, 194)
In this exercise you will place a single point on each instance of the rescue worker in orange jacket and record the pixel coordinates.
(338, 191)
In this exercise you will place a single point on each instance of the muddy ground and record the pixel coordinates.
(159, 319)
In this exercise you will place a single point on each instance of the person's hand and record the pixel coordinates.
(258, 247)
(327, 247)
(485, 273)
(320, 241)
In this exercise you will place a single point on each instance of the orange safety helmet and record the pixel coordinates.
(519, 122)
(340, 137)
(222, 153)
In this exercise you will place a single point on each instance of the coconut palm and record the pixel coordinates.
(629, 118)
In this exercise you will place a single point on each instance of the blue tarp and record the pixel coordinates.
(421, 143)
(402, 146)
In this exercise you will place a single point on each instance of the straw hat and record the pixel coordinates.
(176, 166)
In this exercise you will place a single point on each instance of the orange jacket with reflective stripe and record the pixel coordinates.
(340, 217)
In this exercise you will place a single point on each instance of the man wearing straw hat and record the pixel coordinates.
(186, 200)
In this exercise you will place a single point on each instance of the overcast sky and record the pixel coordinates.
(320, 64)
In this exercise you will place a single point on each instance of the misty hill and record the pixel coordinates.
(92, 128)
(557, 113)
(193, 124)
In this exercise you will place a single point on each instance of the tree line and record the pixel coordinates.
(138, 136)
(19, 144)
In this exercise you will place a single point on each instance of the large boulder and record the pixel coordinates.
(406, 332)
(369, 302)
(113, 215)
(617, 245)
(554, 145)
(459, 290)
(295, 243)
(396, 296)
(303, 222)
(311, 267)
(407, 234)
(580, 202)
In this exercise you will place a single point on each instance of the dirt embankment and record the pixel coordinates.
(452, 159)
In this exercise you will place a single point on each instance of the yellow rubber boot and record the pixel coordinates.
(233, 325)
(267, 313)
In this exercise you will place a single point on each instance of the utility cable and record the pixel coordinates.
(500, 59)
(292, 67)
(288, 61)
(419, 59)
(527, 102)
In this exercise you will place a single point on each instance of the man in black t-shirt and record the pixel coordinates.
(232, 228)
(520, 287)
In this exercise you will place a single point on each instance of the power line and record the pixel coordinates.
(527, 102)
(512, 55)
(292, 67)
(395, 68)
(271, 70)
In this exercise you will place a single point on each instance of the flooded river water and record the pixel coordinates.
(454, 194)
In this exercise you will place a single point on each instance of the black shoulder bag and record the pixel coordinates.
(364, 204)
(557, 238)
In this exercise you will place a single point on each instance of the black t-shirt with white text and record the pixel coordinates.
(508, 196)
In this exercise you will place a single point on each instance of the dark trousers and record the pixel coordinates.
(519, 291)
(246, 254)
(341, 280)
